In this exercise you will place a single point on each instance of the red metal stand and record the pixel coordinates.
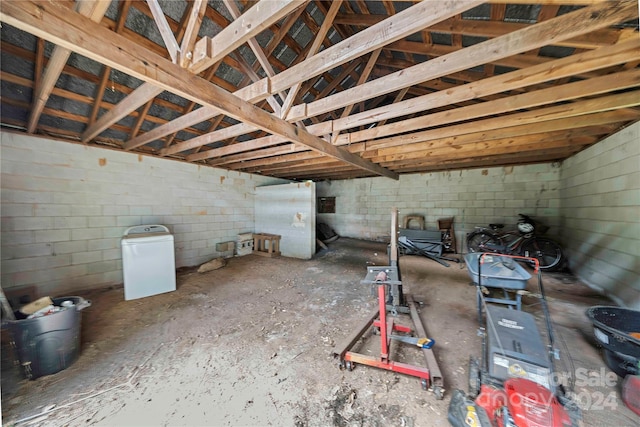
(430, 376)
(383, 278)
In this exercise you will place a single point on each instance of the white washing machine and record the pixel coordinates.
(148, 261)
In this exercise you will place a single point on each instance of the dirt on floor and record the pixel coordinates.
(251, 344)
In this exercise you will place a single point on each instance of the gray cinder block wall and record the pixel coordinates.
(474, 197)
(591, 202)
(601, 215)
(65, 208)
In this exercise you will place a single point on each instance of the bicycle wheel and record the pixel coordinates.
(546, 251)
(482, 241)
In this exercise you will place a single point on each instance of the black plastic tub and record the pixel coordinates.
(46, 345)
(613, 327)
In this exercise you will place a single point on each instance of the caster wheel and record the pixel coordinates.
(350, 365)
(342, 365)
(425, 384)
(438, 392)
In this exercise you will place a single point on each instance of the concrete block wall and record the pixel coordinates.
(600, 190)
(65, 208)
(474, 197)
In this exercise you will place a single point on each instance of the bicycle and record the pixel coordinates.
(522, 242)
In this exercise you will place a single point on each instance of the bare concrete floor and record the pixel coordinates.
(250, 345)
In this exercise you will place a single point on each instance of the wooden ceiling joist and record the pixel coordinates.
(491, 29)
(304, 89)
(129, 58)
(465, 145)
(486, 129)
(564, 67)
(492, 86)
(588, 106)
(314, 48)
(455, 146)
(377, 36)
(94, 10)
(209, 51)
(531, 37)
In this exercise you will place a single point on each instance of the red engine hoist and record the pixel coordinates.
(391, 303)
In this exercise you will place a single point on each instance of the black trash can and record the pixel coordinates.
(48, 344)
(617, 329)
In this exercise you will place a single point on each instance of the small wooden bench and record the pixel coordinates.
(265, 244)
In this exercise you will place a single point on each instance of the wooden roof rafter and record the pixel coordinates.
(186, 85)
(228, 39)
(172, 128)
(315, 65)
(94, 10)
(496, 84)
(431, 81)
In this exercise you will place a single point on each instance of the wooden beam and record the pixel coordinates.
(37, 83)
(396, 27)
(517, 158)
(486, 129)
(491, 29)
(560, 68)
(140, 96)
(208, 138)
(210, 50)
(457, 164)
(564, 67)
(443, 148)
(523, 60)
(106, 71)
(398, 98)
(192, 117)
(578, 22)
(551, 118)
(461, 135)
(260, 56)
(94, 10)
(241, 128)
(198, 8)
(165, 31)
(528, 100)
(551, 2)
(196, 116)
(385, 32)
(248, 71)
(141, 117)
(364, 75)
(189, 19)
(74, 31)
(258, 18)
(464, 145)
(315, 47)
(305, 167)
